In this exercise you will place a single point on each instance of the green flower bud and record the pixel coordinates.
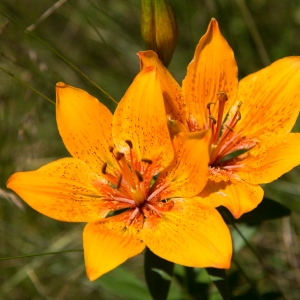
(159, 28)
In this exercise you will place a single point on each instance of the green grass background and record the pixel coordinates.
(101, 39)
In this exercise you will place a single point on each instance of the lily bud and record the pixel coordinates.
(159, 28)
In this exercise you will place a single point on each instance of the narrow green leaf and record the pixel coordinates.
(26, 84)
(158, 273)
(39, 254)
(162, 273)
(59, 55)
(219, 278)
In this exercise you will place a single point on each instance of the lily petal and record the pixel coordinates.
(270, 100)
(236, 195)
(191, 234)
(85, 126)
(271, 159)
(61, 190)
(108, 243)
(141, 118)
(188, 173)
(174, 102)
(212, 70)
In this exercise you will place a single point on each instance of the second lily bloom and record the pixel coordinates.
(250, 120)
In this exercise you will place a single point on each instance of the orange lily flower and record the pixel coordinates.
(116, 159)
(251, 120)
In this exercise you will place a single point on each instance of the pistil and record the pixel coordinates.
(222, 98)
(218, 152)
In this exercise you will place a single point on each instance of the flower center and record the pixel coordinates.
(130, 187)
(223, 137)
(134, 175)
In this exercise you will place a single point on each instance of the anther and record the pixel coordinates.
(111, 149)
(213, 119)
(119, 182)
(146, 160)
(229, 128)
(103, 169)
(119, 155)
(139, 176)
(209, 104)
(129, 143)
(222, 96)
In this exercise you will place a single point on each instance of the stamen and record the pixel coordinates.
(103, 169)
(153, 208)
(129, 143)
(213, 119)
(139, 176)
(124, 200)
(208, 107)
(119, 182)
(146, 160)
(132, 216)
(229, 128)
(157, 190)
(209, 104)
(119, 155)
(219, 150)
(111, 149)
(237, 116)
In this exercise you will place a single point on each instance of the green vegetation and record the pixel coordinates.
(91, 44)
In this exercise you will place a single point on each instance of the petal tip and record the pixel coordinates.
(214, 25)
(91, 274)
(10, 181)
(146, 53)
(61, 84)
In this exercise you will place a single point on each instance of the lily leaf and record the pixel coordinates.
(158, 273)
(268, 209)
(129, 286)
(219, 278)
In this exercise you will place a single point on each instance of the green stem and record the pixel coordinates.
(250, 281)
(231, 221)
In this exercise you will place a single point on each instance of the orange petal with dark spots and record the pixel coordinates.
(270, 159)
(212, 70)
(141, 118)
(85, 126)
(224, 189)
(188, 173)
(174, 102)
(109, 243)
(191, 234)
(62, 190)
(270, 100)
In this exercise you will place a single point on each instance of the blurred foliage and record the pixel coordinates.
(101, 39)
